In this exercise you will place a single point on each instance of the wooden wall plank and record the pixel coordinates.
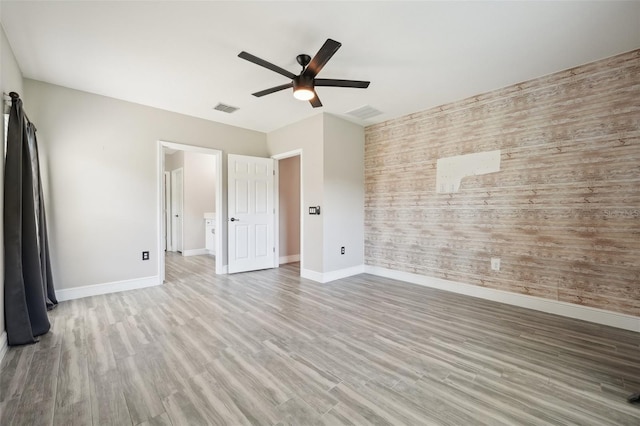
(563, 213)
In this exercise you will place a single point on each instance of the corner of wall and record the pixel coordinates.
(343, 181)
(306, 135)
(326, 277)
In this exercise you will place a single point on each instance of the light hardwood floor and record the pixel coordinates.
(270, 348)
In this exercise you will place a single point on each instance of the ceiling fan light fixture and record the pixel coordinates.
(303, 94)
(303, 88)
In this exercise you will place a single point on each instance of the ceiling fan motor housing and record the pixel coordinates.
(303, 60)
(303, 82)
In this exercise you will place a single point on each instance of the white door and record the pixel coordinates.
(251, 213)
(176, 210)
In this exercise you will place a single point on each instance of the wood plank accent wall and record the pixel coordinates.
(563, 213)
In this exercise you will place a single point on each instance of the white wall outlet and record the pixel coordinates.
(495, 263)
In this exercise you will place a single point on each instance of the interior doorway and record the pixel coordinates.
(176, 189)
(289, 202)
(190, 223)
(166, 230)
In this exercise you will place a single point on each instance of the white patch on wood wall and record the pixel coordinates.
(451, 170)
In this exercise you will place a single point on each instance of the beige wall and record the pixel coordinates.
(563, 211)
(306, 135)
(332, 178)
(289, 205)
(10, 81)
(102, 178)
(343, 194)
(174, 161)
(199, 196)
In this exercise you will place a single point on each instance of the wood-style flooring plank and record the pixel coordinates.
(271, 348)
(75, 414)
(139, 389)
(8, 409)
(14, 368)
(161, 420)
(73, 378)
(108, 403)
(182, 410)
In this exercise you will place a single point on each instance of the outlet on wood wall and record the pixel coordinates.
(563, 212)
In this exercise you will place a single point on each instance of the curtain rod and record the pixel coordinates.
(16, 95)
(12, 95)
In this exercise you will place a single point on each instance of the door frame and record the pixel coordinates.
(276, 167)
(220, 207)
(166, 204)
(177, 231)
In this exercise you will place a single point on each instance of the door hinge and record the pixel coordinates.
(274, 249)
(274, 172)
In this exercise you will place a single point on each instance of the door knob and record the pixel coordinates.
(176, 215)
(233, 219)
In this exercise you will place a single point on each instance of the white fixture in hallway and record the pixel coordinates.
(210, 234)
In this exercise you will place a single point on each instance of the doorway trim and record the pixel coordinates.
(159, 208)
(278, 157)
(168, 241)
(176, 203)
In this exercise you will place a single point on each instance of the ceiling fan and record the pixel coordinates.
(304, 83)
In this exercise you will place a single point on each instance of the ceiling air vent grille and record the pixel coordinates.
(364, 112)
(225, 108)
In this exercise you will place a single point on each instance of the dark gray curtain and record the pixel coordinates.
(28, 285)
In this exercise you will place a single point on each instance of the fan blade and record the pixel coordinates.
(341, 83)
(315, 101)
(328, 49)
(273, 90)
(268, 65)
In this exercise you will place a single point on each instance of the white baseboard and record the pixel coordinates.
(113, 287)
(210, 252)
(343, 273)
(4, 345)
(571, 310)
(312, 275)
(331, 275)
(289, 259)
(195, 252)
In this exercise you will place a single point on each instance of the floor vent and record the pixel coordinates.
(364, 112)
(225, 108)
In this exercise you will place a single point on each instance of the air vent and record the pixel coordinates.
(364, 112)
(225, 108)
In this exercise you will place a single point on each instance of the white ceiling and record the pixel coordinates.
(182, 56)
